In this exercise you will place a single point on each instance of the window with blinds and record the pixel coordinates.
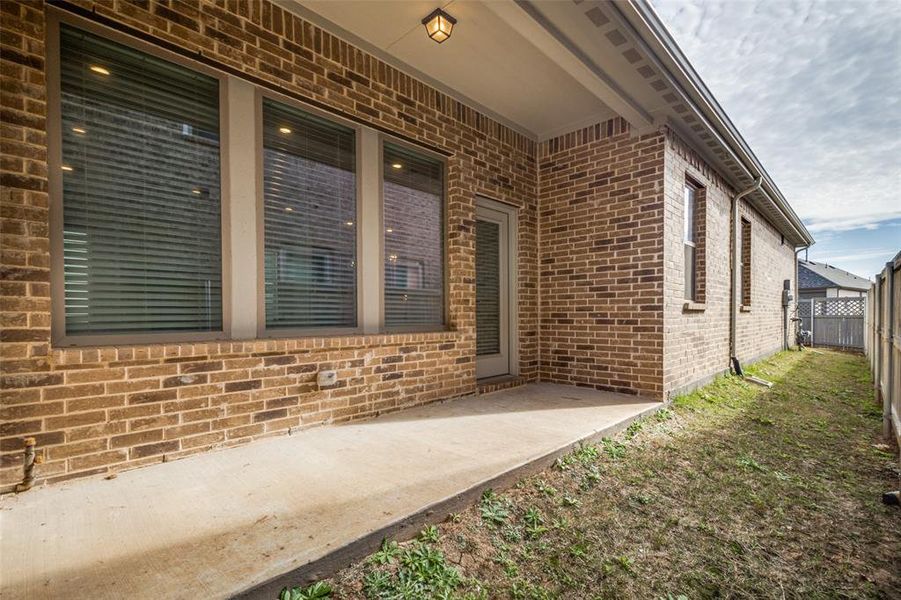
(413, 198)
(488, 288)
(690, 240)
(744, 262)
(141, 191)
(310, 196)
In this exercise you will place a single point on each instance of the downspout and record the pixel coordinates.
(733, 309)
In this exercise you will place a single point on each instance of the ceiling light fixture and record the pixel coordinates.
(196, 191)
(100, 70)
(285, 130)
(349, 223)
(439, 25)
(79, 130)
(66, 168)
(396, 166)
(289, 209)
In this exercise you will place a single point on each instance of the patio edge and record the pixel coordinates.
(407, 527)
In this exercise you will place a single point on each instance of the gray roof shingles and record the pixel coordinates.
(812, 275)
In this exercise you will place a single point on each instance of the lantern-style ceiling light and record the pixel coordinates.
(439, 25)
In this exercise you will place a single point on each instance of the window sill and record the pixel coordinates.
(690, 307)
(746, 308)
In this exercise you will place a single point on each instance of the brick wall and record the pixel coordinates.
(100, 408)
(697, 340)
(601, 266)
(610, 244)
(760, 330)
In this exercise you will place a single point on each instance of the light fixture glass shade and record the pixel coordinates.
(439, 25)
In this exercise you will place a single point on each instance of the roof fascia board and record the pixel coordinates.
(661, 48)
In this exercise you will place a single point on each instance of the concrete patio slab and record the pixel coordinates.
(249, 519)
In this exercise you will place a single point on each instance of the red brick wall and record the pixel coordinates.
(103, 408)
(601, 259)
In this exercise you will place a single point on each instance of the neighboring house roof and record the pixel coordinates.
(812, 275)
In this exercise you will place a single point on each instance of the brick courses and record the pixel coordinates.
(599, 207)
(697, 341)
(601, 259)
(97, 408)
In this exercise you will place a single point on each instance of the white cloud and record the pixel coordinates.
(815, 88)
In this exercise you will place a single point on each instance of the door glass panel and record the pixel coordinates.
(488, 289)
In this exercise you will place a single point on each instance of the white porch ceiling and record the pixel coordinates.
(487, 62)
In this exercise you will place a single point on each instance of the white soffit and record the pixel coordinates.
(488, 62)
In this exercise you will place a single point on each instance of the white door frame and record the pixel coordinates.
(507, 362)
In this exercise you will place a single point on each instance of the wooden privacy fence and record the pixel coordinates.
(884, 343)
(837, 322)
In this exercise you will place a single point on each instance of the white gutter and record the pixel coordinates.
(659, 46)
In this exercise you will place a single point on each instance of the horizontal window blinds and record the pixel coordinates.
(310, 194)
(414, 239)
(141, 191)
(488, 288)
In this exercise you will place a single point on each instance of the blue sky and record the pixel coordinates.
(815, 89)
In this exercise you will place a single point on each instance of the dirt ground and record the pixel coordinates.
(733, 491)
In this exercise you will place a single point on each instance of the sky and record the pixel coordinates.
(815, 89)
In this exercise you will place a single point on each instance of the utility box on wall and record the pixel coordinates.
(787, 295)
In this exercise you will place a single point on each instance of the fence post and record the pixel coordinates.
(889, 336)
(813, 307)
(877, 337)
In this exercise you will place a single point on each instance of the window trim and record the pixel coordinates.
(746, 267)
(445, 264)
(264, 332)
(694, 297)
(58, 335)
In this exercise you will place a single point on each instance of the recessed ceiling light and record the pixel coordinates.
(285, 130)
(289, 209)
(79, 130)
(66, 168)
(196, 191)
(396, 166)
(349, 223)
(100, 70)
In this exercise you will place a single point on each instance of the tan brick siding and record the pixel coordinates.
(760, 331)
(601, 265)
(606, 227)
(131, 405)
(697, 342)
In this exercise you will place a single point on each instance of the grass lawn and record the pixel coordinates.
(734, 491)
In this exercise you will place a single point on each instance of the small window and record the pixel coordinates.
(690, 241)
(745, 262)
(414, 239)
(310, 214)
(141, 191)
